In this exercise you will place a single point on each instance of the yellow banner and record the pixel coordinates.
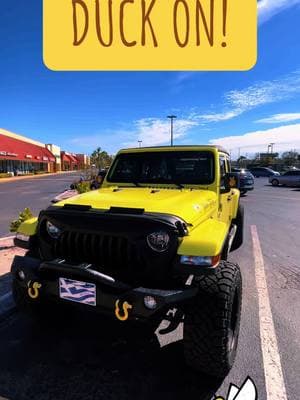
(150, 35)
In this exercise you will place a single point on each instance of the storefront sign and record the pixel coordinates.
(8, 154)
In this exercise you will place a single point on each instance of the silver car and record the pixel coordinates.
(290, 178)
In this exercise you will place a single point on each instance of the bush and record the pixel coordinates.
(83, 187)
(5, 175)
(23, 216)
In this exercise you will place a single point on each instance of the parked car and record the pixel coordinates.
(290, 178)
(246, 180)
(263, 172)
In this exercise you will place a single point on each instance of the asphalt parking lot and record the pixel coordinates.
(35, 193)
(83, 357)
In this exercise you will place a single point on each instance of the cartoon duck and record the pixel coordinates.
(247, 391)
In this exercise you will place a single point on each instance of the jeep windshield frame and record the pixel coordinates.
(183, 167)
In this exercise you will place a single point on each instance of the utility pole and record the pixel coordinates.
(172, 117)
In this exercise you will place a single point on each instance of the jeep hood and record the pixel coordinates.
(190, 205)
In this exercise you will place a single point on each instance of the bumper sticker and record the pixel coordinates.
(77, 291)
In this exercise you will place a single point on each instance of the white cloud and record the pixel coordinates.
(182, 77)
(152, 131)
(268, 8)
(285, 138)
(265, 92)
(218, 117)
(156, 131)
(280, 118)
(237, 102)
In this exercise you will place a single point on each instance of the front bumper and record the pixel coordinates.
(109, 292)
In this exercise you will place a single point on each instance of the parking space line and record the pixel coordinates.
(275, 386)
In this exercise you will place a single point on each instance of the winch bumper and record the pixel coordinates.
(81, 285)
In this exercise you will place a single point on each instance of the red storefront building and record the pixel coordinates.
(69, 161)
(22, 157)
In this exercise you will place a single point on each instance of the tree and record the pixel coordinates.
(241, 160)
(290, 157)
(101, 159)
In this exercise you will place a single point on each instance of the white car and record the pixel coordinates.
(290, 178)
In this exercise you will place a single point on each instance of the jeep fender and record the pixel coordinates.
(28, 227)
(207, 239)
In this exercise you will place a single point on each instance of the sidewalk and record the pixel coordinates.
(17, 178)
(7, 253)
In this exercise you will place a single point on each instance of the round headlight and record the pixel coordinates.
(158, 241)
(53, 230)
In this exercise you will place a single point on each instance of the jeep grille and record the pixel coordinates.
(115, 245)
(103, 250)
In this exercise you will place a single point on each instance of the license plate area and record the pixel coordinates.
(77, 291)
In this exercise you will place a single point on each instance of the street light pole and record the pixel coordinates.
(172, 117)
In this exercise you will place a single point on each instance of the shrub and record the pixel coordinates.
(23, 216)
(83, 187)
(5, 175)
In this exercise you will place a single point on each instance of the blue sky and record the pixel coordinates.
(83, 110)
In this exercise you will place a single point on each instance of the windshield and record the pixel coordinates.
(178, 167)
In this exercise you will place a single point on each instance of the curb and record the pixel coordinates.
(7, 305)
(20, 178)
(7, 243)
(6, 238)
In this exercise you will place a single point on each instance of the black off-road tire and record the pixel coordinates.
(212, 322)
(239, 222)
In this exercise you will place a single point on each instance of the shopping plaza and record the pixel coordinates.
(20, 155)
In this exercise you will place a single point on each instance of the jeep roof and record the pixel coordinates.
(175, 148)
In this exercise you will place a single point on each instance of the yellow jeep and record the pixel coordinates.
(151, 245)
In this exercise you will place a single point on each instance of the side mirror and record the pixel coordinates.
(230, 181)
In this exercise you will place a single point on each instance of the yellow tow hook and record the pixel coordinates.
(33, 289)
(122, 315)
